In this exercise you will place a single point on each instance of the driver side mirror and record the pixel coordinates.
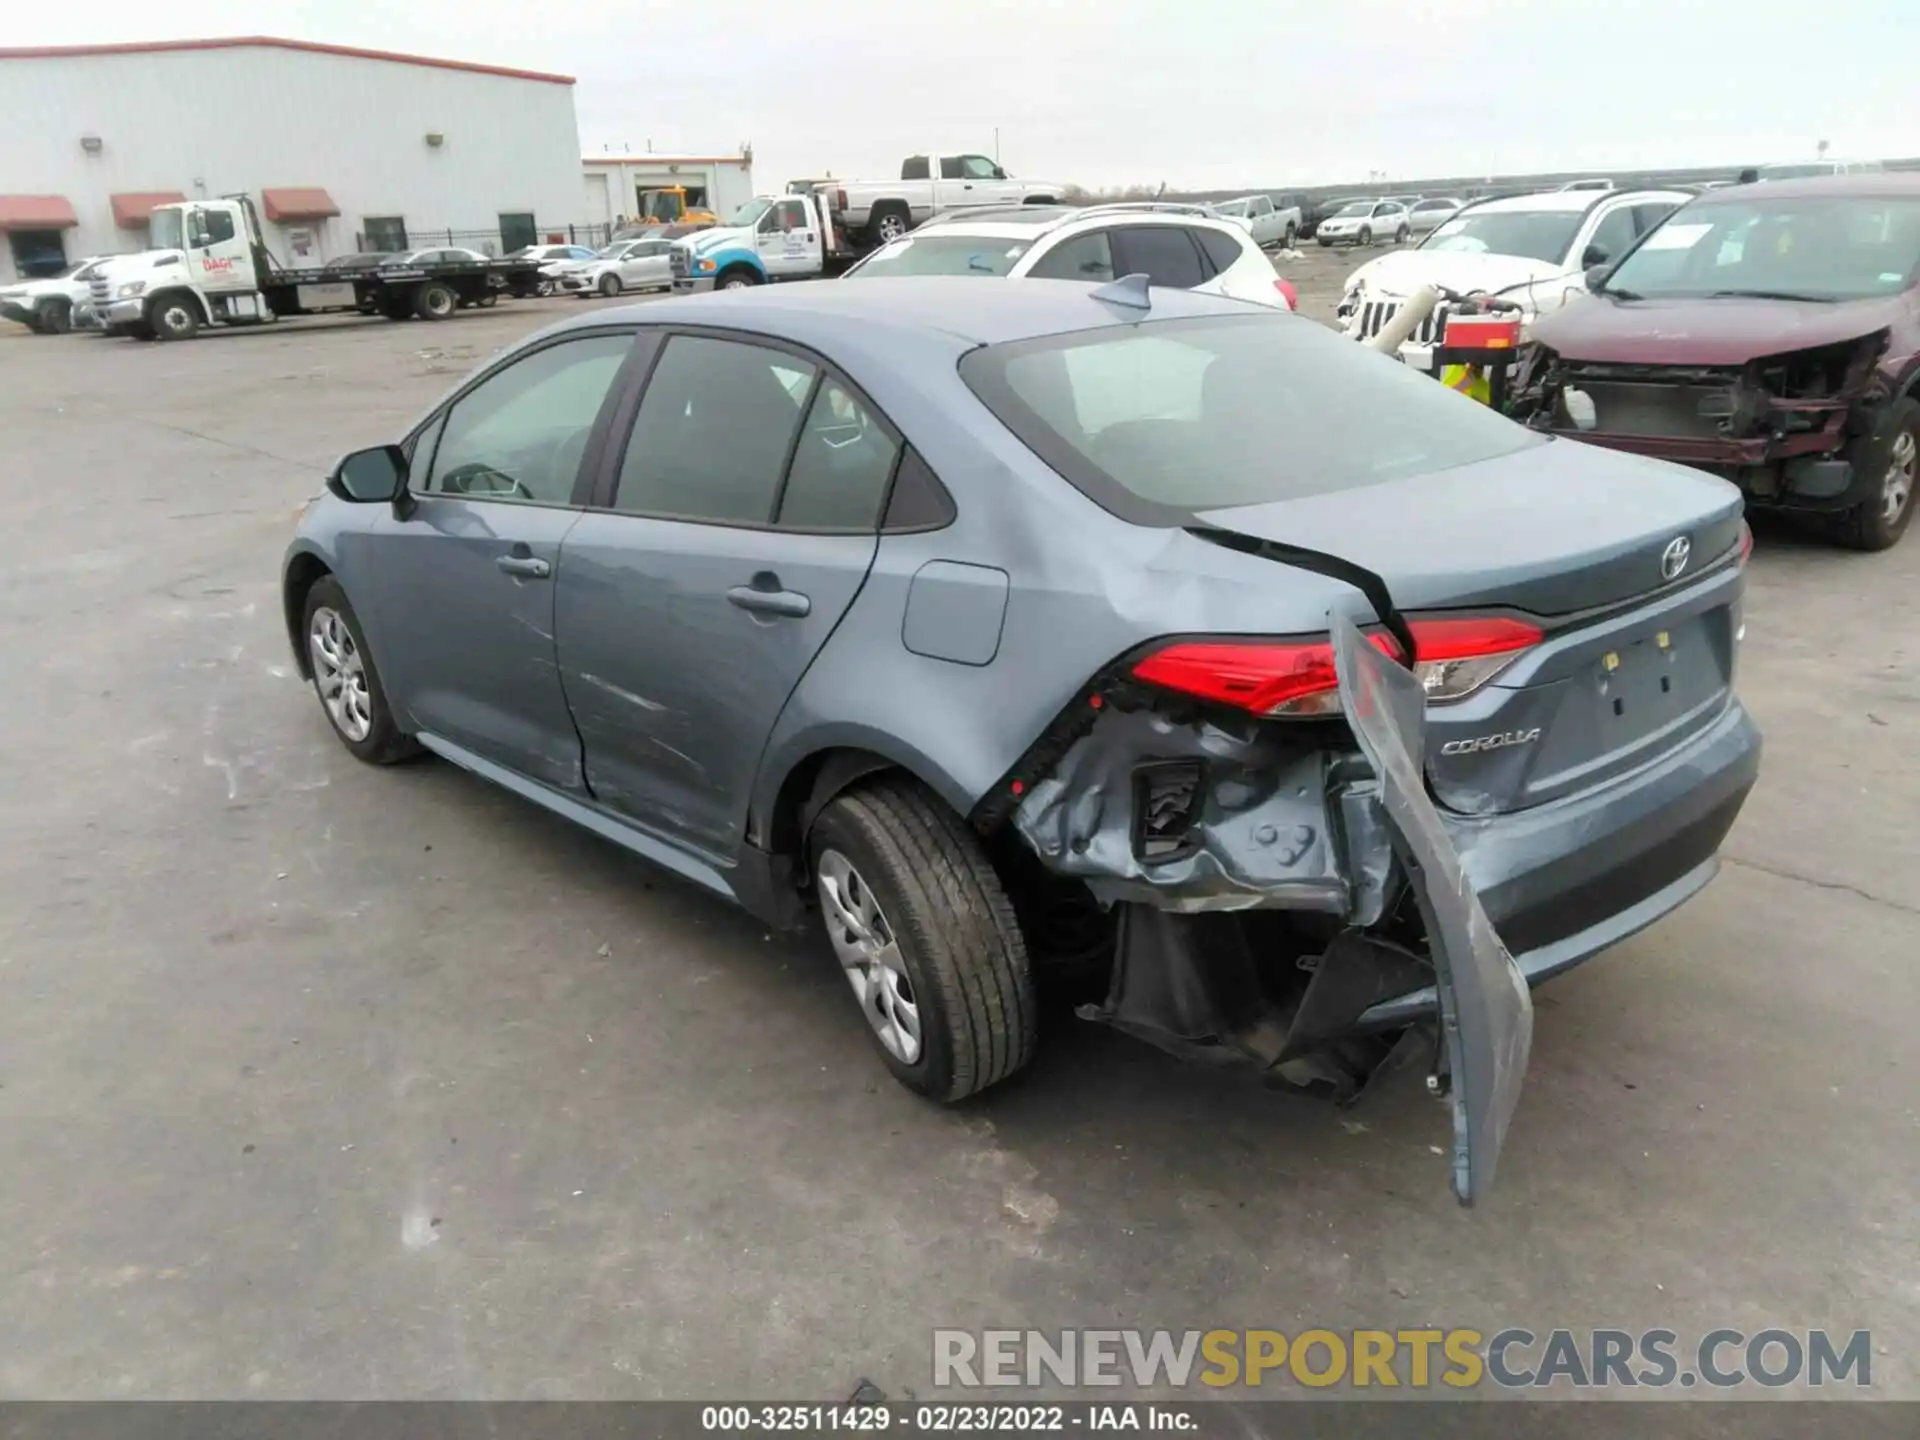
(201, 240)
(998, 173)
(368, 477)
(1596, 276)
(1596, 255)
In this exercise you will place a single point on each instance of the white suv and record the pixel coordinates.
(1174, 247)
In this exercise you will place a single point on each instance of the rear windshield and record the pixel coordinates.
(942, 255)
(1157, 420)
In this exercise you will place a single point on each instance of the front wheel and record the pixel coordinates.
(1365, 237)
(1892, 456)
(926, 937)
(609, 285)
(741, 279)
(173, 317)
(543, 287)
(345, 680)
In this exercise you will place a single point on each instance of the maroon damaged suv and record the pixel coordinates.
(1768, 333)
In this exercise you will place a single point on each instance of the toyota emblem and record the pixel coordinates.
(1674, 558)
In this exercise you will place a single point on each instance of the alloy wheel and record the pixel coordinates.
(1896, 489)
(869, 953)
(340, 674)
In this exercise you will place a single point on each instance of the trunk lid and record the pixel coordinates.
(1603, 550)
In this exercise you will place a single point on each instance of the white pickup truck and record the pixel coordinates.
(49, 306)
(1272, 226)
(872, 212)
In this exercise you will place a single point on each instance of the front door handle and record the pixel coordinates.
(771, 602)
(530, 567)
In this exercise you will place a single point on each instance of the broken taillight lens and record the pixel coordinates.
(1287, 292)
(1455, 657)
(1746, 543)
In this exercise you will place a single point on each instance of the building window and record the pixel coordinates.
(517, 230)
(384, 233)
(38, 253)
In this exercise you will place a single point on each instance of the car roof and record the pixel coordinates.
(1005, 222)
(941, 309)
(1863, 183)
(1571, 201)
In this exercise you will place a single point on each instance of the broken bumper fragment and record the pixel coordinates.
(1305, 908)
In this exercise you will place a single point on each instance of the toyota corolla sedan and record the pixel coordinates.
(1304, 709)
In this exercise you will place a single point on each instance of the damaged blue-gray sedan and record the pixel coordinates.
(1305, 711)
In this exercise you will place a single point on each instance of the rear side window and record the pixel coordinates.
(1084, 257)
(714, 429)
(1223, 250)
(1159, 420)
(840, 467)
(914, 167)
(1163, 253)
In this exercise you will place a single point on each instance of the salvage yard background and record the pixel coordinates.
(320, 1081)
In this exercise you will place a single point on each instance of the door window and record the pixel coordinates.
(840, 467)
(1260, 205)
(521, 433)
(789, 215)
(714, 429)
(1613, 234)
(950, 167)
(1164, 253)
(1645, 217)
(978, 167)
(210, 227)
(1085, 257)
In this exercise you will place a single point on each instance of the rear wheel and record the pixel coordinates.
(926, 937)
(609, 285)
(173, 317)
(889, 222)
(344, 678)
(435, 300)
(1400, 236)
(1288, 239)
(1891, 455)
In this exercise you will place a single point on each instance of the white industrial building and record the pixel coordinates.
(341, 149)
(617, 185)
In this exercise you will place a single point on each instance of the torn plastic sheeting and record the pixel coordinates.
(1260, 835)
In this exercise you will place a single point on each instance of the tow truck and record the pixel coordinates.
(209, 265)
(768, 239)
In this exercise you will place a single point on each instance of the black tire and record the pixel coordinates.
(1400, 236)
(435, 300)
(1893, 446)
(56, 317)
(384, 743)
(740, 277)
(1325, 243)
(960, 944)
(1365, 237)
(1288, 239)
(609, 285)
(543, 287)
(174, 317)
(887, 222)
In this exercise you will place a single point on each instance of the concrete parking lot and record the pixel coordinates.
(323, 1081)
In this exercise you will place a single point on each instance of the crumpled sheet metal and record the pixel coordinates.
(1486, 1010)
(1264, 840)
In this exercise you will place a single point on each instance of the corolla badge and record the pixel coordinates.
(1674, 558)
(1498, 741)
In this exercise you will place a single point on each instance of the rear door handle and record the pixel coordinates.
(771, 602)
(531, 567)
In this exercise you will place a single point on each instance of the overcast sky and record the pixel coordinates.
(1201, 94)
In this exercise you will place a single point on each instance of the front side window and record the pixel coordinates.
(715, 425)
(1544, 235)
(1261, 205)
(1823, 249)
(1086, 257)
(840, 467)
(210, 227)
(934, 253)
(1167, 418)
(520, 434)
(978, 167)
(1611, 236)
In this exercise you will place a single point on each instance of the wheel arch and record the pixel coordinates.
(793, 794)
(304, 569)
(161, 296)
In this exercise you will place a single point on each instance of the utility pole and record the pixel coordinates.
(996, 144)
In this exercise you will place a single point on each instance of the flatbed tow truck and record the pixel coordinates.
(209, 265)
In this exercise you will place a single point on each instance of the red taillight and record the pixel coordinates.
(1456, 656)
(1287, 292)
(1746, 542)
(1482, 332)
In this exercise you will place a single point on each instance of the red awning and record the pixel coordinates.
(37, 212)
(299, 202)
(132, 210)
